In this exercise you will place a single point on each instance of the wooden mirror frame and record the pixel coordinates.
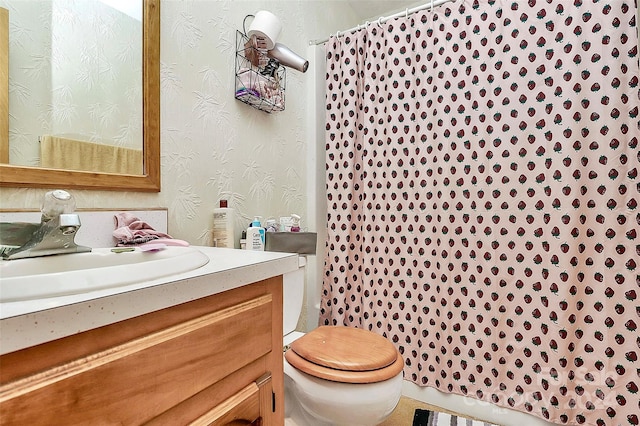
(149, 181)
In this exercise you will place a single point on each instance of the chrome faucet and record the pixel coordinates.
(55, 234)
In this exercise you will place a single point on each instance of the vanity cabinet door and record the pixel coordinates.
(209, 366)
(246, 407)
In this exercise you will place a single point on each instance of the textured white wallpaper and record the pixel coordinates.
(212, 145)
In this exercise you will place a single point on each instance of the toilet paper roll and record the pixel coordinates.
(266, 27)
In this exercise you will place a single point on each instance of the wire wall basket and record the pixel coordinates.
(260, 80)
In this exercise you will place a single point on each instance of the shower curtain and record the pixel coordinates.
(482, 188)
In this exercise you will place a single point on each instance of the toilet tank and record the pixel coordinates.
(293, 296)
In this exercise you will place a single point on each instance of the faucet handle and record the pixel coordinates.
(56, 203)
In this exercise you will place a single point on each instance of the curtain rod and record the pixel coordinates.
(382, 19)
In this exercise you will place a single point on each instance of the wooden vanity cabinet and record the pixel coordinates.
(211, 361)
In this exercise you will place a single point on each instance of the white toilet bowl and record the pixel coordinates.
(338, 376)
(314, 401)
(318, 402)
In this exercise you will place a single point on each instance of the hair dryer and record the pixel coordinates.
(288, 58)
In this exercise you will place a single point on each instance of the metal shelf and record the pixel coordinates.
(260, 80)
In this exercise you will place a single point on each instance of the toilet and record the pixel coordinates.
(335, 375)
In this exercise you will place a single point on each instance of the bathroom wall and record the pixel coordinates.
(212, 145)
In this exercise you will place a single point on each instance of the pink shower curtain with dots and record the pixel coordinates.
(482, 187)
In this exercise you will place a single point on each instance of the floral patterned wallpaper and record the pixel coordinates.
(214, 146)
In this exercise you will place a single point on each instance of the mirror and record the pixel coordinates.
(149, 180)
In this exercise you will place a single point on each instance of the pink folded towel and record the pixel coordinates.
(130, 230)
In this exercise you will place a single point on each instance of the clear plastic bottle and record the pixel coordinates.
(272, 226)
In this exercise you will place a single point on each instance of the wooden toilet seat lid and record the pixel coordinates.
(346, 349)
(345, 355)
(342, 376)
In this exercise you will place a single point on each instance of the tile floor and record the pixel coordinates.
(403, 414)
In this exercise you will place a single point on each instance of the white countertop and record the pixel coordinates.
(28, 323)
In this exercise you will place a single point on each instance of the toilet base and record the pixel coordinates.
(295, 414)
(380, 399)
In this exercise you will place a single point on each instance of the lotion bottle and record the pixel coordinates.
(255, 235)
(223, 230)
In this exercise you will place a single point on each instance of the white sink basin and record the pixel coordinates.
(51, 276)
